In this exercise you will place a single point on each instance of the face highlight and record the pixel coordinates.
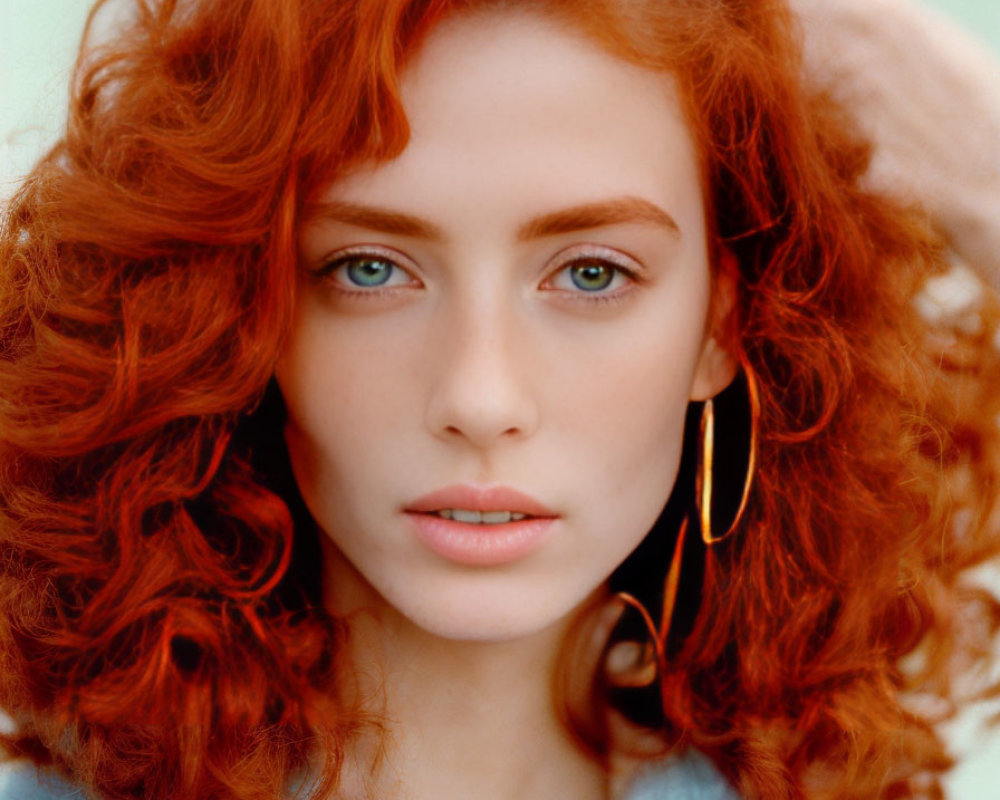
(498, 332)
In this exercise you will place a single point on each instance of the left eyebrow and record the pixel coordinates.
(619, 211)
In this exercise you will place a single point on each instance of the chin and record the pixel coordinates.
(482, 618)
(499, 629)
(461, 604)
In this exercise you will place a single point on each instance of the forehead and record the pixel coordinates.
(508, 101)
(488, 60)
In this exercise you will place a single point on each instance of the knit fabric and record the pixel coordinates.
(687, 777)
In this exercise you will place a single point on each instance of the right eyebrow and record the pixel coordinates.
(375, 219)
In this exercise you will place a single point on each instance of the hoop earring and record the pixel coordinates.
(706, 449)
(645, 672)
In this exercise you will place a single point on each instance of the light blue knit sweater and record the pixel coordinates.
(690, 777)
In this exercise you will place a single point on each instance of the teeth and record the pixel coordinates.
(480, 517)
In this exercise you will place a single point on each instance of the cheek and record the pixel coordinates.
(626, 412)
(630, 427)
(345, 404)
(626, 394)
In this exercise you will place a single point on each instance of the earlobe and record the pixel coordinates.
(716, 370)
(716, 365)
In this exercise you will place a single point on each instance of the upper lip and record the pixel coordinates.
(480, 498)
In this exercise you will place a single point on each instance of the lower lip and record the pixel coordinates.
(480, 545)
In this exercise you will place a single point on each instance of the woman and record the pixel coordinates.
(353, 351)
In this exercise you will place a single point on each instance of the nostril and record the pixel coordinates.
(512, 432)
(480, 399)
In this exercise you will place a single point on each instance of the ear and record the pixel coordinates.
(716, 366)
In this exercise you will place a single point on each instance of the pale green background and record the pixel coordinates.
(980, 16)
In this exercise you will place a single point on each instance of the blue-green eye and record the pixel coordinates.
(589, 275)
(368, 272)
(592, 276)
(365, 271)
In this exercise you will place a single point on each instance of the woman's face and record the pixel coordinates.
(506, 320)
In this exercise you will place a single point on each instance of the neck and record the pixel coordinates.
(462, 718)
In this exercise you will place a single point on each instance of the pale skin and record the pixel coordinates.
(522, 298)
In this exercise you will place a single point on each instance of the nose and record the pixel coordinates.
(481, 389)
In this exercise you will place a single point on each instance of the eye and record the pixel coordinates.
(362, 271)
(591, 276)
(367, 272)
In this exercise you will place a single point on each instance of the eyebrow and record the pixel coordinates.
(617, 211)
(375, 219)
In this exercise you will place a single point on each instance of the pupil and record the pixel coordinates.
(369, 272)
(591, 277)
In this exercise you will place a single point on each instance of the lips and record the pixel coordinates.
(484, 499)
(480, 526)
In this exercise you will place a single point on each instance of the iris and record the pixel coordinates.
(369, 271)
(591, 276)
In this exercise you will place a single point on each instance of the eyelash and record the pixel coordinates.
(344, 259)
(600, 297)
(631, 275)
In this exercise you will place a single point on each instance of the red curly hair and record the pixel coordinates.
(154, 640)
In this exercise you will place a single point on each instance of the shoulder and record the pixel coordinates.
(24, 781)
(688, 776)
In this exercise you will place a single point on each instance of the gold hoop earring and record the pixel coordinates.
(646, 671)
(654, 663)
(706, 450)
